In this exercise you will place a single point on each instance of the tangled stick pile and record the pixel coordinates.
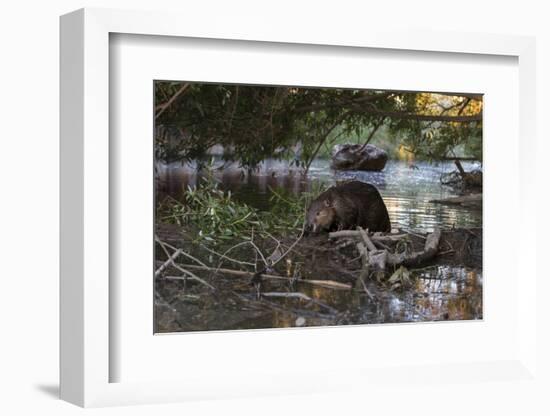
(376, 253)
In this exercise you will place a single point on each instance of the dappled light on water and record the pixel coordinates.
(407, 191)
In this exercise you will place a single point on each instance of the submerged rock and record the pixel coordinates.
(357, 157)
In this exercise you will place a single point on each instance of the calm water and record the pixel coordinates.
(442, 292)
(406, 191)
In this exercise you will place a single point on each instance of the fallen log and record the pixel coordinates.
(417, 257)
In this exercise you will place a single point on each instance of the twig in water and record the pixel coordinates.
(415, 234)
(298, 295)
(371, 297)
(259, 252)
(292, 245)
(183, 253)
(324, 283)
(331, 284)
(239, 245)
(231, 259)
(167, 262)
(273, 238)
(189, 275)
(184, 271)
(160, 301)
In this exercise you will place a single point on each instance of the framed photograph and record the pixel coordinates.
(281, 213)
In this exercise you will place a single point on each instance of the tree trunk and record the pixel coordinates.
(372, 133)
(323, 139)
(459, 167)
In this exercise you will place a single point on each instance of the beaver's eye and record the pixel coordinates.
(318, 213)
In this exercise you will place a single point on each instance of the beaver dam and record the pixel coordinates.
(222, 264)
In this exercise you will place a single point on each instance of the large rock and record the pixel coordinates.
(357, 157)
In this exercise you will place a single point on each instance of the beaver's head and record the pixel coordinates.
(321, 216)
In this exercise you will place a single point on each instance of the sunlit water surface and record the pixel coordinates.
(407, 191)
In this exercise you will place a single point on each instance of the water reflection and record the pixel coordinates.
(438, 293)
(406, 191)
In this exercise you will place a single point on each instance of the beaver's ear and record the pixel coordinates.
(328, 203)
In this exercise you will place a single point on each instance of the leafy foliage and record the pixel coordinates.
(215, 216)
(437, 138)
(253, 123)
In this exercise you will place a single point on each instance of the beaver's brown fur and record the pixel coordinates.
(347, 206)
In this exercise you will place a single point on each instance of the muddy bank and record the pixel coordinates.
(292, 292)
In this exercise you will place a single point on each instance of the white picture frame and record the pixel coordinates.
(86, 356)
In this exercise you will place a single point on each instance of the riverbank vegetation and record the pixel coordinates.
(216, 216)
(299, 124)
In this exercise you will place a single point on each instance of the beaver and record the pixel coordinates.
(347, 206)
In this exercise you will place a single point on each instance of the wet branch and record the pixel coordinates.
(298, 295)
(331, 284)
(187, 273)
(168, 262)
(380, 259)
(354, 234)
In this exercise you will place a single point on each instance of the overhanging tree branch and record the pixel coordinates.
(422, 117)
(162, 107)
(343, 103)
(365, 105)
